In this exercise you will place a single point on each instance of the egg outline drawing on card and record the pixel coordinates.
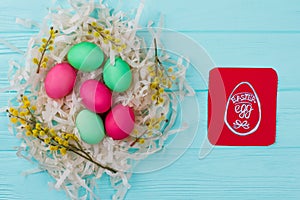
(246, 100)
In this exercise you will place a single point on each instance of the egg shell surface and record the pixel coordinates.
(85, 56)
(95, 96)
(117, 77)
(119, 122)
(90, 127)
(60, 80)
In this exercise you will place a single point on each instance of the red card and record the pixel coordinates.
(242, 106)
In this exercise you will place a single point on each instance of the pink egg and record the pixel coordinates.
(95, 96)
(60, 80)
(119, 122)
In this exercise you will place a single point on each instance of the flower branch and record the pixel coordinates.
(56, 141)
(46, 46)
(100, 31)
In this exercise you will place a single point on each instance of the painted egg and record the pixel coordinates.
(85, 56)
(60, 80)
(117, 77)
(243, 110)
(119, 122)
(95, 96)
(90, 127)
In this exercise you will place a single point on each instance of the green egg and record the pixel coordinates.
(90, 127)
(117, 77)
(85, 56)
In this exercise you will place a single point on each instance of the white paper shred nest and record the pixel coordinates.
(71, 172)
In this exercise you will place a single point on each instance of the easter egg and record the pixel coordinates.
(119, 122)
(60, 80)
(95, 96)
(117, 77)
(243, 110)
(85, 56)
(90, 127)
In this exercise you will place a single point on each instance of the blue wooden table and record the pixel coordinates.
(235, 33)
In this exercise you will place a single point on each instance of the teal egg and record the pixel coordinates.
(90, 127)
(85, 56)
(117, 77)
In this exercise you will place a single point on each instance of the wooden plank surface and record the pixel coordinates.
(198, 15)
(235, 33)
